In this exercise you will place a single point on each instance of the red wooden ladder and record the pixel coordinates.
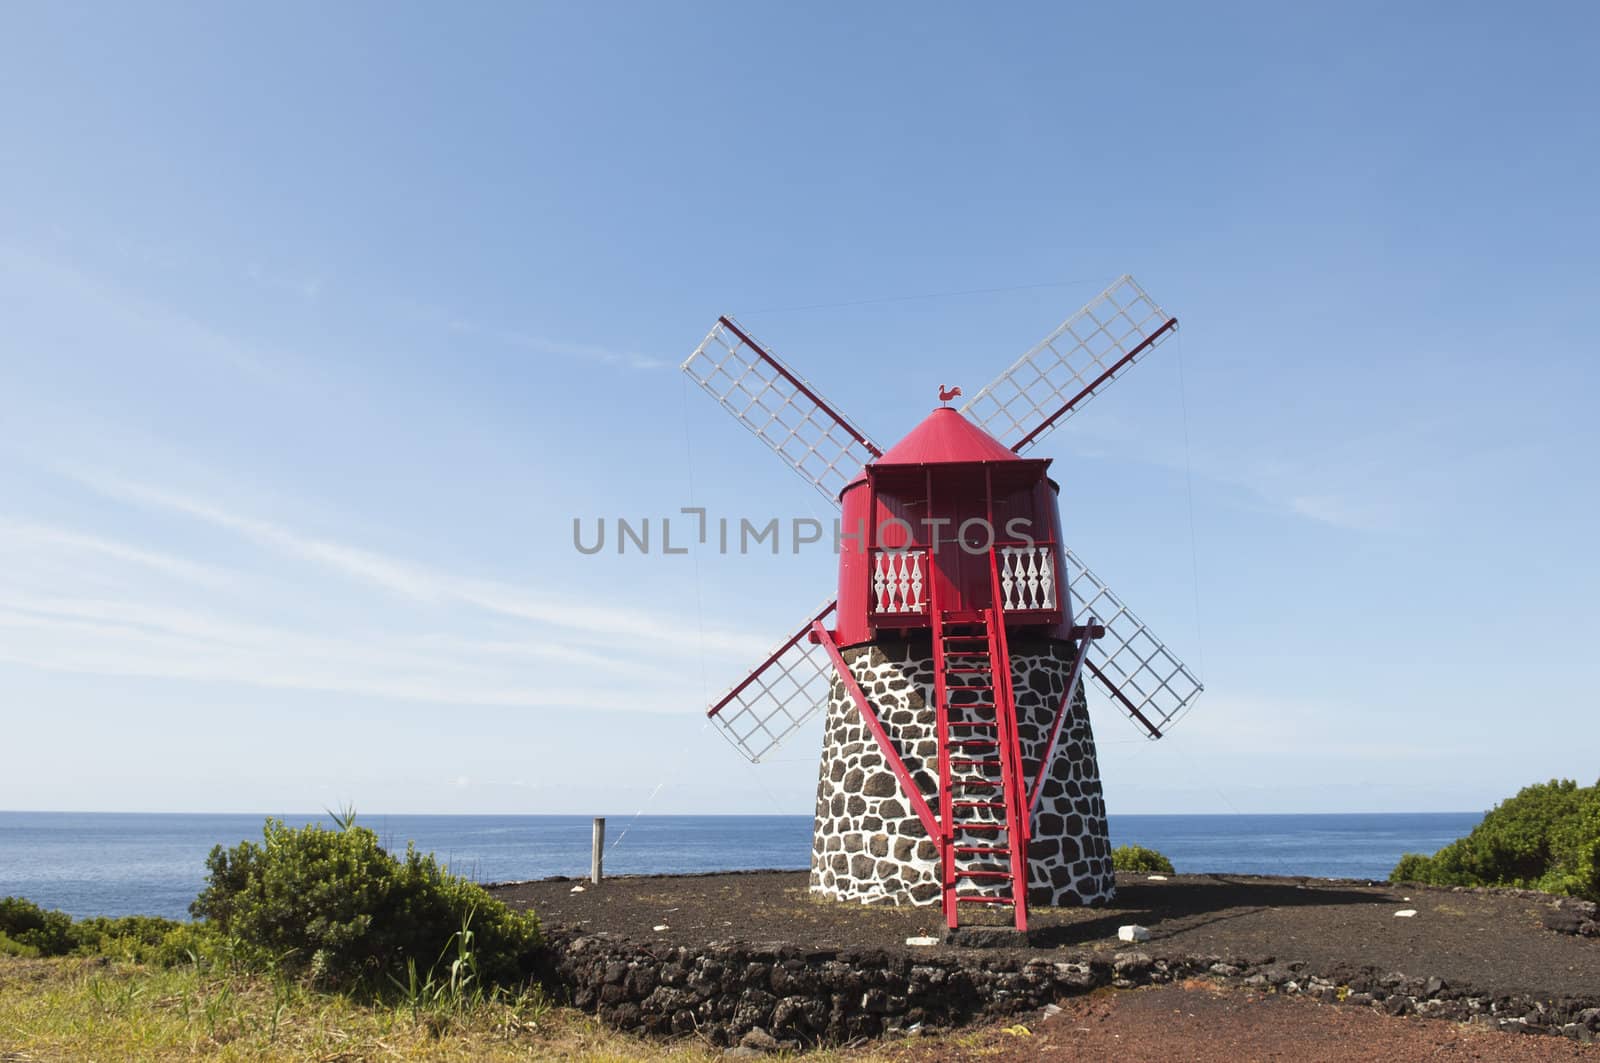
(980, 765)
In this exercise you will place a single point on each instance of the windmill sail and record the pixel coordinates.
(1144, 679)
(775, 700)
(1071, 365)
(780, 408)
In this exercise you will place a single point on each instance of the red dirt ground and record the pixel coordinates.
(1202, 1022)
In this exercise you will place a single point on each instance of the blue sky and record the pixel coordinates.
(319, 326)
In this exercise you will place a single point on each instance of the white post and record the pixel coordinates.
(597, 858)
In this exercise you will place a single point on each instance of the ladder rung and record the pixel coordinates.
(972, 683)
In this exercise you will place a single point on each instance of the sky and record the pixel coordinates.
(320, 326)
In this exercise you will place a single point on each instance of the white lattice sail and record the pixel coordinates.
(1158, 687)
(781, 409)
(1071, 365)
(776, 699)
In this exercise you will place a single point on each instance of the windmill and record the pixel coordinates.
(958, 762)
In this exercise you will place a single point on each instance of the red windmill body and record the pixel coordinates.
(923, 520)
(958, 761)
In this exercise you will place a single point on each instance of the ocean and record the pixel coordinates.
(100, 863)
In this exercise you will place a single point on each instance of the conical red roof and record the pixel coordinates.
(944, 436)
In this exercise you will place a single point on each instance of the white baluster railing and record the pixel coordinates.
(1028, 578)
(897, 582)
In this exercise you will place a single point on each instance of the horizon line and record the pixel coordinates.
(325, 814)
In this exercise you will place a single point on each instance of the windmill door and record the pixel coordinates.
(959, 510)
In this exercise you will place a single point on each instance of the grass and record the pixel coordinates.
(99, 1009)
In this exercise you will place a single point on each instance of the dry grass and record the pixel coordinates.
(90, 1009)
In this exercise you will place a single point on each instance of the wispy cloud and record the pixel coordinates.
(423, 583)
(1343, 512)
(20, 538)
(120, 638)
(85, 632)
(307, 284)
(1314, 487)
(309, 287)
(590, 352)
(366, 566)
(69, 296)
(1247, 724)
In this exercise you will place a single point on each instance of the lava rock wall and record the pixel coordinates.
(777, 996)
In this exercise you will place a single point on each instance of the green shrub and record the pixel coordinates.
(1138, 858)
(29, 930)
(8, 947)
(1547, 837)
(48, 933)
(143, 939)
(335, 905)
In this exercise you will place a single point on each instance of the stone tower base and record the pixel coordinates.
(869, 845)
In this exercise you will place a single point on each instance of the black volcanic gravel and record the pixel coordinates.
(1492, 941)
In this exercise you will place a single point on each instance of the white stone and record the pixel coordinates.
(1133, 932)
(922, 941)
(1405, 913)
(659, 927)
(1158, 878)
(577, 889)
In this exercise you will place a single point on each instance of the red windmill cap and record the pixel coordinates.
(944, 437)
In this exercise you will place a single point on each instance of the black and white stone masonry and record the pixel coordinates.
(869, 845)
